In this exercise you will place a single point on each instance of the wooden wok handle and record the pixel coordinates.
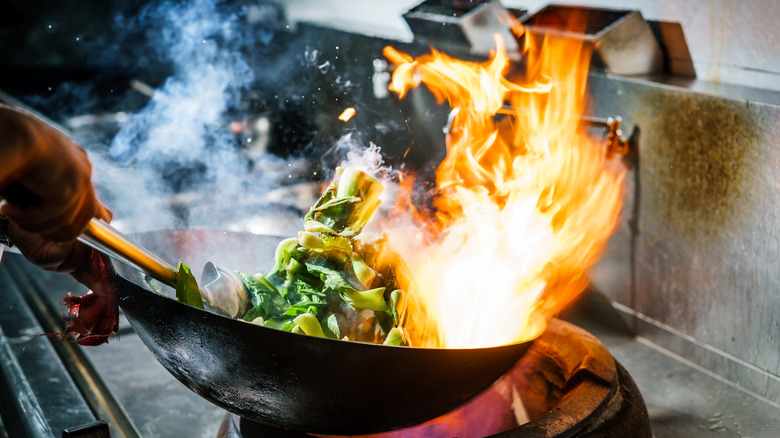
(104, 238)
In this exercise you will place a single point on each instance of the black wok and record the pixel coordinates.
(289, 380)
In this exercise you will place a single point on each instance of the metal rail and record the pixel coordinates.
(95, 391)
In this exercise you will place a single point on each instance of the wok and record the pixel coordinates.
(290, 380)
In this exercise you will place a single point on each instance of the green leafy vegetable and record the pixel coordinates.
(309, 324)
(396, 298)
(346, 206)
(395, 337)
(325, 282)
(331, 326)
(264, 296)
(187, 290)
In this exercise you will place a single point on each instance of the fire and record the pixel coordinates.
(347, 114)
(524, 202)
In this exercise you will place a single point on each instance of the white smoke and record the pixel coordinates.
(181, 137)
(184, 122)
(133, 195)
(178, 150)
(368, 159)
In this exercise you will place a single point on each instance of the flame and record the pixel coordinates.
(524, 201)
(347, 114)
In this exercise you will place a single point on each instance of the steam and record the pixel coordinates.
(184, 121)
(175, 163)
(369, 160)
(181, 139)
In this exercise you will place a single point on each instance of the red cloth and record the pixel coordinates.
(95, 315)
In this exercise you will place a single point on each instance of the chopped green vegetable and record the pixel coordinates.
(309, 240)
(364, 273)
(323, 275)
(283, 253)
(309, 324)
(370, 299)
(331, 326)
(325, 282)
(346, 206)
(187, 290)
(395, 337)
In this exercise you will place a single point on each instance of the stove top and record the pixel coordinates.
(49, 386)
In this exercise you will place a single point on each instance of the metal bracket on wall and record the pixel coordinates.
(616, 142)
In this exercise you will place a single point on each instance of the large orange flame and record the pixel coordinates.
(525, 200)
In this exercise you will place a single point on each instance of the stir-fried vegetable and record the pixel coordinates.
(346, 206)
(326, 282)
(187, 287)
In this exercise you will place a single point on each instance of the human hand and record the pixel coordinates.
(94, 316)
(45, 182)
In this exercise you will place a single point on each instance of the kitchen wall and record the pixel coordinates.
(695, 266)
(695, 269)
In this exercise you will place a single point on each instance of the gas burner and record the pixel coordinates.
(567, 384)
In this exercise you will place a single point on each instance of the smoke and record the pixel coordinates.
(182, 132)
(368, 159)
(174, 158)
(180, 141)
(133, 195)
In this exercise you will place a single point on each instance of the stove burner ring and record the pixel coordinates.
(569, 384)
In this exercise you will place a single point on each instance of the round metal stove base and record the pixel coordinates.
(567, 384)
